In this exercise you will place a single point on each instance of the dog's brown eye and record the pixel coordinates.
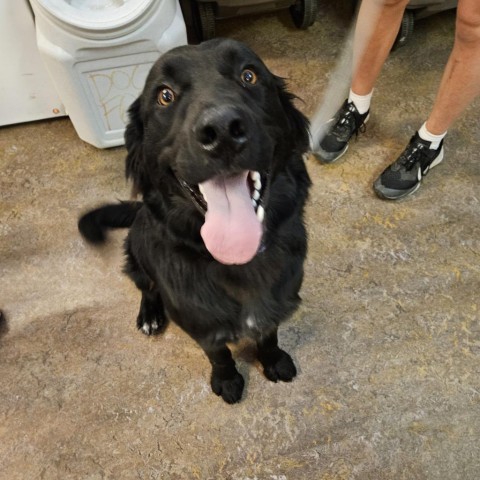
(249, 76)
(166, 96)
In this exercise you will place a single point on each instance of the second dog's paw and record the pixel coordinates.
(229, 389)
(281, 368)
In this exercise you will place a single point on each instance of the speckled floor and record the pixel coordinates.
(387, 340)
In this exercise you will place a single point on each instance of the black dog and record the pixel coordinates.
(215, 147)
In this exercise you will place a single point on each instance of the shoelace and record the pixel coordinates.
(347, 123)
(413, 155)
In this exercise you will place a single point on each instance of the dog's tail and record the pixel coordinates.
(95, 224)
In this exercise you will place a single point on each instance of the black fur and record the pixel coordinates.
(166, 256)
(95, 224)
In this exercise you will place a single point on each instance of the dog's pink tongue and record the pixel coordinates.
(232, 231)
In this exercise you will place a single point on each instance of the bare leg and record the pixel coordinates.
(460, 84)
(461, 79)
(377, 26)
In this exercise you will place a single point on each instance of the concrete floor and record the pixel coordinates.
(387, 340)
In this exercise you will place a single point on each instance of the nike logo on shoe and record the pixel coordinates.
(434, 163)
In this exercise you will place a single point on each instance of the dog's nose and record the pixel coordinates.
(221, 128)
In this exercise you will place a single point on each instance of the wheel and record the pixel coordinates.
(406, 30)
(203, 17)
(304, 13)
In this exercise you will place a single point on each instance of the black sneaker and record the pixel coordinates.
(340, 129)
(404, 176)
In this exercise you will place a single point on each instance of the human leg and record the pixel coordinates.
(460, 84)
(377, 25)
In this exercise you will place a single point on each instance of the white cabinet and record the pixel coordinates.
(26, 90)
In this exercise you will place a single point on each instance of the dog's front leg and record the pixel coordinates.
(225, 381)
(151, 317)
(277, 364)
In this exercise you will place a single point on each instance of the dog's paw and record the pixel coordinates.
(281, 367)
(230, 389)
(151, 325)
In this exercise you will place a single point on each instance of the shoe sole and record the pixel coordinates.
(331, 157)
(390, 194)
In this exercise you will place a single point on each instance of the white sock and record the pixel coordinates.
(361, 102)
(424, 134)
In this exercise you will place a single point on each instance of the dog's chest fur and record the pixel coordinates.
(225, 302)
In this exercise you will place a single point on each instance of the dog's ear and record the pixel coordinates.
(299, 123)
(135, 161)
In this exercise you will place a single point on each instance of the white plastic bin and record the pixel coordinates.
(99, 52)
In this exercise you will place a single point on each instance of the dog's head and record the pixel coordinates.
(215, 126)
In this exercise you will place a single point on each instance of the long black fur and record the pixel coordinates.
(166, 257)
(95, 224)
